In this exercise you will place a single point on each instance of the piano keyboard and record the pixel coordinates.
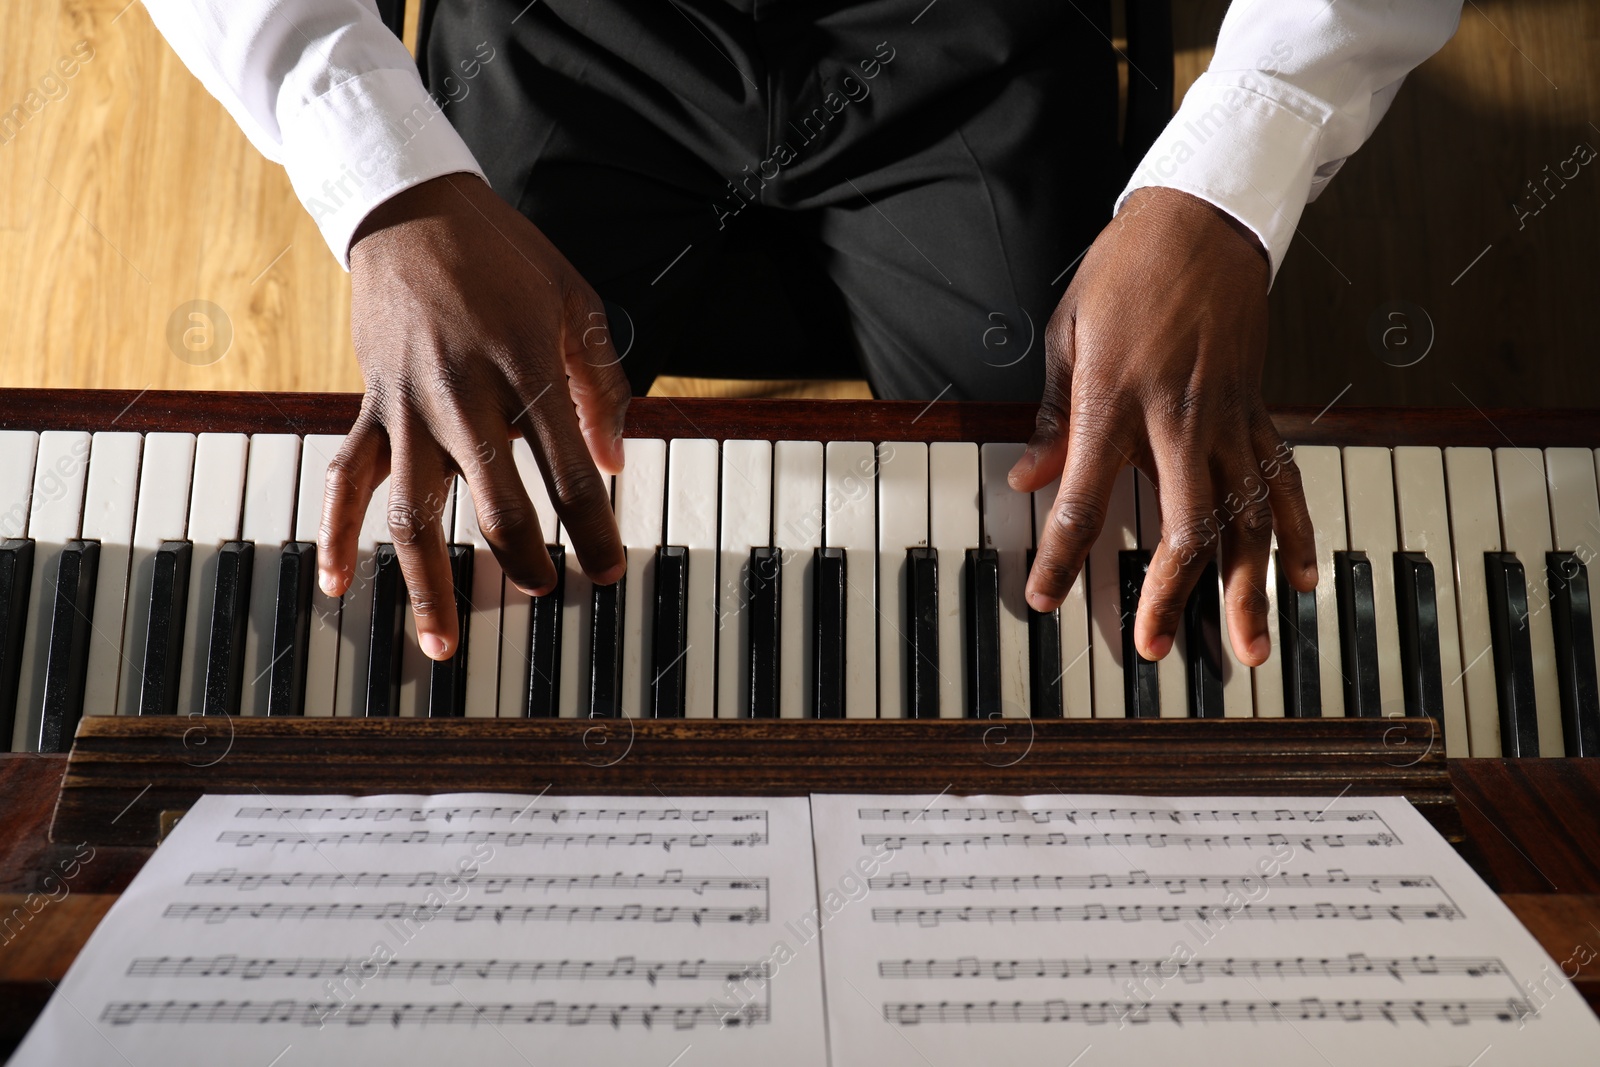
(173, 573)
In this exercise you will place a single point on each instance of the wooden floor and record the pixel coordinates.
(131, 193)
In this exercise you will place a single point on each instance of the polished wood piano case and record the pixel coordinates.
(1531, 827)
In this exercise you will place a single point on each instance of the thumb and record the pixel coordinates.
(599, 388)
(1043, 459)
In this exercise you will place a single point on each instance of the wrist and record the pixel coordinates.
(433, 198)
(1191, 213)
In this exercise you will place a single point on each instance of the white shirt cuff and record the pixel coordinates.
(364, 140)
(1249, 155)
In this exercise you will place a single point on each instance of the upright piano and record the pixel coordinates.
(821, 596)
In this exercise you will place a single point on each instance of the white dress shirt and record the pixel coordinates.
(1295, 87)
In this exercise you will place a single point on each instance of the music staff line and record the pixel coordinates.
(1355, 965)
(508, 814)
(672, 880)
(1167, 913)
(1175, 884)
(447, 972)
(214, 914)
(541, 1013)
(1057, 839)
(509, 839)
(1307, 1009)
(1044, 816)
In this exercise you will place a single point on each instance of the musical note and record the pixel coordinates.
(275, 839)
(422, 912)
(541, 1013)
(1305, 1009)
(1132, 913)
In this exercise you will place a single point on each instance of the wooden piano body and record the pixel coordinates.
(74, 830)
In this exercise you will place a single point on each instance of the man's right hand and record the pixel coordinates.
(471, 329)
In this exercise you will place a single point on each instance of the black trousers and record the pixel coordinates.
(902, 184)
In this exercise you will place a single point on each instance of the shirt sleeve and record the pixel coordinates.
(324, 88)
(1295, 87)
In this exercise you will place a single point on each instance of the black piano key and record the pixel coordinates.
(1416, 598)
(671, 632)
(1044, 660)
(67, 661)
(1297, 649)
(922, 633)
(605, 655)
(1203, 635)
(1358, 634)
(163, 643)
(230, 609)
(447, 679)
(385, 634)
(1141, 691)
(764, 610)
(16, 575)
(1573, 623)
(544, 644)
(291, 629)
(1513, 653)
(829, 579)
(983, 633)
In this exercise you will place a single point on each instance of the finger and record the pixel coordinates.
(599, 389)
(1291, 519)
(581, 495)
(418, 483)
(1046, 453)
(1243, 559)
(360, 465)
(506, 516)
(1189, 533)
(1093, 463)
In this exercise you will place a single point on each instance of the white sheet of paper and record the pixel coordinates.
(1089, 930)
(483, 929)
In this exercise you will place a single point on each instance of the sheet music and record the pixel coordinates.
(1087, 930)
(453, 929)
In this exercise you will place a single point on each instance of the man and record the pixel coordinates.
(942, 164)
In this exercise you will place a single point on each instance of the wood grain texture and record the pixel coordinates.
(777, 420)
(35, 959)
(141, 767)
(1501, 799)
(134, 192)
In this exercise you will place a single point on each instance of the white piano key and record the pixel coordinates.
(162, 515)
(416, 669)
(1008, 529)
(215, 505)
(1424, 521)
(1120, 534)
(692, 523)
(1525, 524)
(797, 513)
(746, 524)
(641, 516)
(516, 613)
(56, 513)
(322, 642)
(1474, 530)
(1266, 680)
(355, 628)
(851, 524)
(18, 450)
(1321, 474)
(1172, 676)
(955, 509)
(483, 640)
(1370, 519)
(902, 524)
(1077, 697)
(108, 510)
(268, 523)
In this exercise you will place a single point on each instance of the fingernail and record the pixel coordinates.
(1040, 602)
(433, 646)
(1160, 645)
(612, 575)
(1260, 648)
(1024, 466)
(326, 579)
